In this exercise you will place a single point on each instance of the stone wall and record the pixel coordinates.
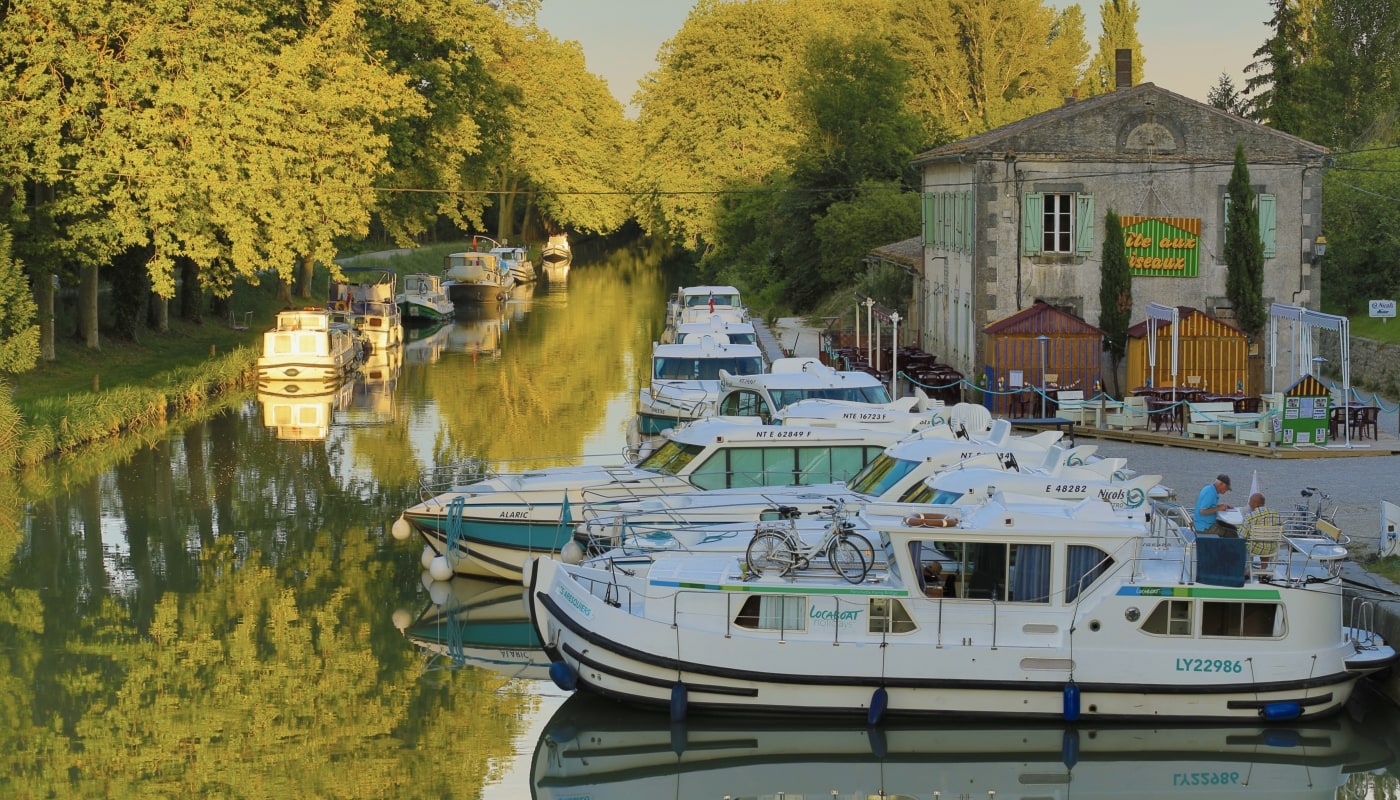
(1375, 366)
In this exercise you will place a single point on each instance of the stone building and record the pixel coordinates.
(1016, 214)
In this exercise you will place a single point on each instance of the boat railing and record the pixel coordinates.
(436, 480)
(1361, 620)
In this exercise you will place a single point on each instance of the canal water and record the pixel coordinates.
(221, 610)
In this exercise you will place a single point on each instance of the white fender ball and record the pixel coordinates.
(440, 569)
(427, 557)
(402, 618)
(572, 552)
(401, 530)
(440, 592)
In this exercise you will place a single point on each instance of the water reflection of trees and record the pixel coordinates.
(208, 611)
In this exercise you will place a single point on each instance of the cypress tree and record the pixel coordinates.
(1244, 251)
(1115, 294)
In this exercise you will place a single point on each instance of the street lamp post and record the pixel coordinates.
(870, 330)
(894, 357)
(1044, 343)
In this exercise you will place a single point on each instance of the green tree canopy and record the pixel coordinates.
(1119, 32)
(1115, 294)
(1244, 251)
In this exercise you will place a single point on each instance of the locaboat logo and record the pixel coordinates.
(828, 615)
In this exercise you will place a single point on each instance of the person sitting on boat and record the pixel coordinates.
(933, 579)
(1208, 506)
(1259, 515)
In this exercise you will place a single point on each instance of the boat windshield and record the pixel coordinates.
(671, 457)
(782, 398)
(945, 498)
(880, 474)
(703, 369)
(919, 493)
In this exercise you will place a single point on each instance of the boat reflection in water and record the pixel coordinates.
(426, 345)
(376, 383)
(478, 329)
(303, 412)
(480, 623)
(592, 747)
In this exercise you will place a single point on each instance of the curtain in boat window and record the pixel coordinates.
(1083, 566)
(785, 613)
(1030, 573)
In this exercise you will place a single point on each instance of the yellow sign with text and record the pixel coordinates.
(1162, 246)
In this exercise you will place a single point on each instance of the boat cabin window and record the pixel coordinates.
(1169, 618)
(782, 398)
(744, 403)
(753, 467)
(1248, 620)
(671, 457)
(773, 613)
(882, 473)
(1008, 573)
(888, 615)
(689, 368)
(1083, 565)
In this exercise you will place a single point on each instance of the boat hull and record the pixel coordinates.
(829, 667)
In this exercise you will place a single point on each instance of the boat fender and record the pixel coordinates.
(879, 704)
(563, 675)
(1069, 748)
(678, 702)
(1281, 737)
(930, 521)
(1283, 710)
(1071, 702)
(401, 530)
(440, 568)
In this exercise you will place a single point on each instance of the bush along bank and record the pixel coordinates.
(42, 428)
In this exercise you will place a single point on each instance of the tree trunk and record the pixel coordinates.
(158, 314)
(308, 274)
(505, 213)
(191, 293)
(44, 292)
(87, 308)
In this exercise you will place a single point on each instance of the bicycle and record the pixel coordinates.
(778, 548)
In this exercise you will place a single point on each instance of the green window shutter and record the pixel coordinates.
(938, 220)
(948, 240)
(928, 219)
(1032, 225)
(959, 230)
(1268, 224)
(969, 221)
(1084, 224)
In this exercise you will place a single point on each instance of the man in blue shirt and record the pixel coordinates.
(1208, 505)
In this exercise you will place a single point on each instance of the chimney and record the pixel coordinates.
(1122, 68)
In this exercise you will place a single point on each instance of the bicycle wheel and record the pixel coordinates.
(769, 552)
(846, 554)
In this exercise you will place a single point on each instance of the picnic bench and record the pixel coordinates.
(1214, 419)
(1131, 414)
(1071, 405)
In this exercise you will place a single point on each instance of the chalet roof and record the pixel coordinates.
(1042, 318)
(909, 252)
(1307, 386)
(1183, 313)
(1022, 136)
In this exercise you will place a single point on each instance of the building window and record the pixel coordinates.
(1057, 224)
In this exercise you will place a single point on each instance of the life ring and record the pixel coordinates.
(338, 306)
(930, 521)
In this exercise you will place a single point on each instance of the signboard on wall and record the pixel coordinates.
(1162, 246)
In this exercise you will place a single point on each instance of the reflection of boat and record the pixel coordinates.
(477, 330)
(426, 345)
(1041, 612)
(594, 748)
(367, 300)
(298, 415)
(476, 277)
(377, 380)
(307, 346)
(557, 256)
(469, 621)
(514, 258)
(424, 300)
(502, 521)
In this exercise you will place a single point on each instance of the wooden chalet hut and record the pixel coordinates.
(1212, 356)
(1072, 353)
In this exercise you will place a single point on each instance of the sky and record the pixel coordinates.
(1187, 43)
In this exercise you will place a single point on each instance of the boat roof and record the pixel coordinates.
(809, 373)
(364, 275)
(509, 253)
(976, 484)
(708, 346)
(474, 255)
(714, 324)
(693, 291)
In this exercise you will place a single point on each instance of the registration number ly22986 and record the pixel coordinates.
(1209, 665)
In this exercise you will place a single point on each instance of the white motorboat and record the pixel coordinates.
(729, 330)
(367, 300)
(514, 258)
(1059, 613)
(557, 257)
(476, 277)
(492, 526)
(699, 303)
(685, 379)
(308, 348)
(424, 300)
